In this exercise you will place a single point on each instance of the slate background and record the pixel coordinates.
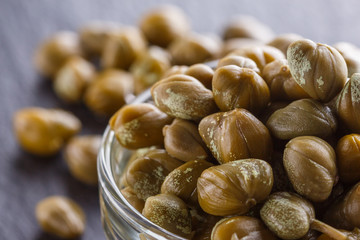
(25, 179)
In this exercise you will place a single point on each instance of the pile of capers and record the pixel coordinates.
(265, 145)
(253, 148)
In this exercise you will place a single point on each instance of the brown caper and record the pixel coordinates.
(72, 79)
(351, 54)
(234, 187)
(81, 157)
(194, 48)
(170, 213)
(236, 87)
(93, 36)
(149, 68)
(239, 61)
(241, 227)
(247, 27)
(201, 72)
(146, 174)
(305, 117)
(235, 135)
(122, 48)
(348, 158)
(130, 195)
(261, 55)
(318, 68)
(43, 131)
(345, 212)
(281, 83)
(108, 91)
(291, 217)
(163, 25)
(310, 163)
(184, 97)
(53, 52)
(135, 155)
(283, 41)
(60, 216)
(183, 141)
(348, 103)
(139, 125)
(182, 180)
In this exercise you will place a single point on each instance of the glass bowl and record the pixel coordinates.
(120, 220)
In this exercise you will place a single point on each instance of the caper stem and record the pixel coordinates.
(328, 230)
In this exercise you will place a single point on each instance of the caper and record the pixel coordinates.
(81, 156)
(54, 51)
(170, 213)
(43, 131)
(234, 187)
(60, 216)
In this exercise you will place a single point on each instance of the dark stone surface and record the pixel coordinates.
(26, 179)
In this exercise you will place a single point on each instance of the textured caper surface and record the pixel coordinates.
(184, 97)
(42, 131)
(139, 125)
(239, 61)
(60, 216)
(347, 209)
(287, 215)
(310, 163)
(133, 199)
(236, 87)
(348, 158)
(234, 187)
(318, 68)
(305, 117)
(348, 103)
(169, 212)
(183, 179)
(281, 83)
(81, 156)
(146, 174)
(183, 141)
(241, 227)
(235, 135)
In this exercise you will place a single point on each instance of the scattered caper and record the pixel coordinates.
(72, 79)
(43, 131)
(60, 216)
(53, 52)
(81, 157)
